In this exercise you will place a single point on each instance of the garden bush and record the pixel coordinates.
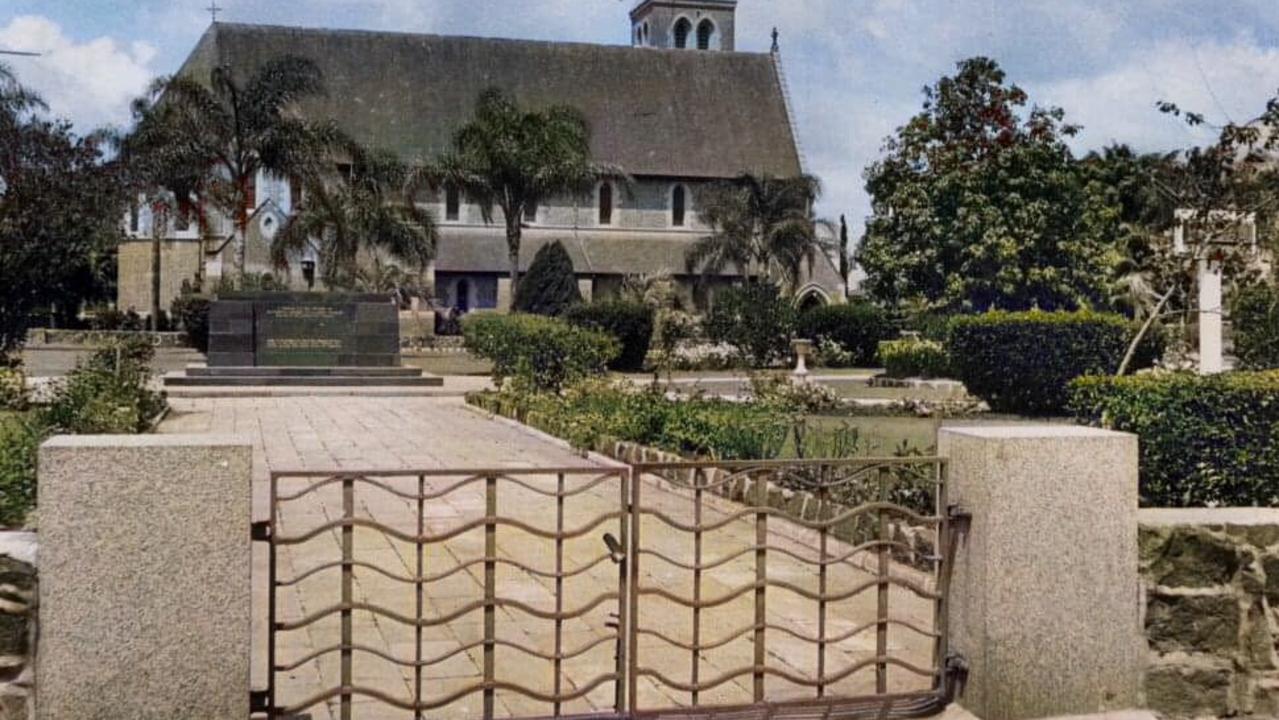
(914, 358)
(544, 353)
(191, 314)
(628, 321)
(756, 319)
(1023, 362)
(20, 439)
(856, 327)
(13, 389)
(108, 394)
(1254, 318)
(1205, 440)
(550, 285)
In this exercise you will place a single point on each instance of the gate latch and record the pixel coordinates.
(260, 531)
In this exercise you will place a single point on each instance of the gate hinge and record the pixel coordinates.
(956, 676)
(260, 531)
(958, 512)
(259, 700)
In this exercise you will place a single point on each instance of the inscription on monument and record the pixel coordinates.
(303, 330)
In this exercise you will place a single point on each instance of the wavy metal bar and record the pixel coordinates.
(449, 534)
(446, 656)
(888, 508)
(449, 699)
(864, 547)
(445, 619)
(369, 479)
(409, 579)
(807, 594)
(811, 639)
(786, 675)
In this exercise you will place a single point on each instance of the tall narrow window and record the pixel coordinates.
(606, 204)
(705, 32)
(251, 194)
(683, 28)
(452, 203)
(679, 205)
(134, 217)
(530, 212)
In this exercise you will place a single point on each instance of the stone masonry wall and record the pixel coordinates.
(17, 624)
(1211, 611)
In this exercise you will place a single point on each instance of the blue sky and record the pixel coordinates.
(855, 66)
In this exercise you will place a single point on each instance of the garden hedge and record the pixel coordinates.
(914, 358)
(1255, 321)
(547, 353)
(1022, 362)
(756, 319)
(630, 322)
(1205, 440)
(857, 328)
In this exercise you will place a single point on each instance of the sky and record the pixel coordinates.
(855, 67)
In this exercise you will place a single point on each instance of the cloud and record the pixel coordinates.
(90, 83)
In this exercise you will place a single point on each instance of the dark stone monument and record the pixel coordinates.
(274, 329)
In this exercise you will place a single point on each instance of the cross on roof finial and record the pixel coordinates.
(777, 46)
(214, 9)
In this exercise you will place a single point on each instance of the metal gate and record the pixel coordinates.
(664, 590)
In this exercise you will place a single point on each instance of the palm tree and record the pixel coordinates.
(514, 159)
(210, 139)
(372, 208)
(762, 225)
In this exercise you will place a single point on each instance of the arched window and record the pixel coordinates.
(452, 203)
(606, 204)
(683, 28)
(644, 37)
(705, 33)
(679, 205)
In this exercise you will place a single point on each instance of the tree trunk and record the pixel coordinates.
(1145, 328)
(155, 281)
(513, 253)
(242, 230)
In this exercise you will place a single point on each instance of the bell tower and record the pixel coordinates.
(705, 25)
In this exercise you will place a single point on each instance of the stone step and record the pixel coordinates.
(419, 380)
(195, 370)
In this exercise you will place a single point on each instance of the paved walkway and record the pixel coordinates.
(424, 433)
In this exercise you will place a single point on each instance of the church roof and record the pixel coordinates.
(653, 112)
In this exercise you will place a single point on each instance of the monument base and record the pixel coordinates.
(204, 376)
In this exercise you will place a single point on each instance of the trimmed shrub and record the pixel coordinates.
(1022, 362)
(630, 322)
(914, 358)
(1205, 440)
(755, 319)
(191, 313)
(20, 440)
(1254, 318)
(109, 394)
(550, 285)
(546, 353)
(857, 328)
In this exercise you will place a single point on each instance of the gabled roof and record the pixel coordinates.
(653, 112)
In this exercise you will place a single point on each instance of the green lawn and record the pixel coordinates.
(448, 363)
(883, 435)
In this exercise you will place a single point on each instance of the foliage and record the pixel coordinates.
(1023, 362)
(856, 327)
(630, 322)
(671, 329)
(61, 201)
(1255, 319)
(761, 225)
(976, 207)
(513, 159)
(543, 353)
(914, 358)
(13, 389)
(20, 439)
(205, 139)
(1205, 440)
(370, 208)
(108, 394)
(113, 319)
(780, 391)
(191, 313)
(550, 286)
(754, 318)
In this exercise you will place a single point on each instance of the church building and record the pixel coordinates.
(676, 109)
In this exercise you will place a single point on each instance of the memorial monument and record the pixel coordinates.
(299, 338)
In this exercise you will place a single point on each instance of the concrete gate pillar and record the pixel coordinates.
(1045, 592)
(144, 578)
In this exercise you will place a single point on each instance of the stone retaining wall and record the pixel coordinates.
(1211, 584)
(17, 623)
(98, 338)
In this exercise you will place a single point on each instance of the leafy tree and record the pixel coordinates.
(978, 205)
(513, 159)
(550, 287)
(209, 138)
(756, 319)
(61, 203)
(761, 225)
(369, 209)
